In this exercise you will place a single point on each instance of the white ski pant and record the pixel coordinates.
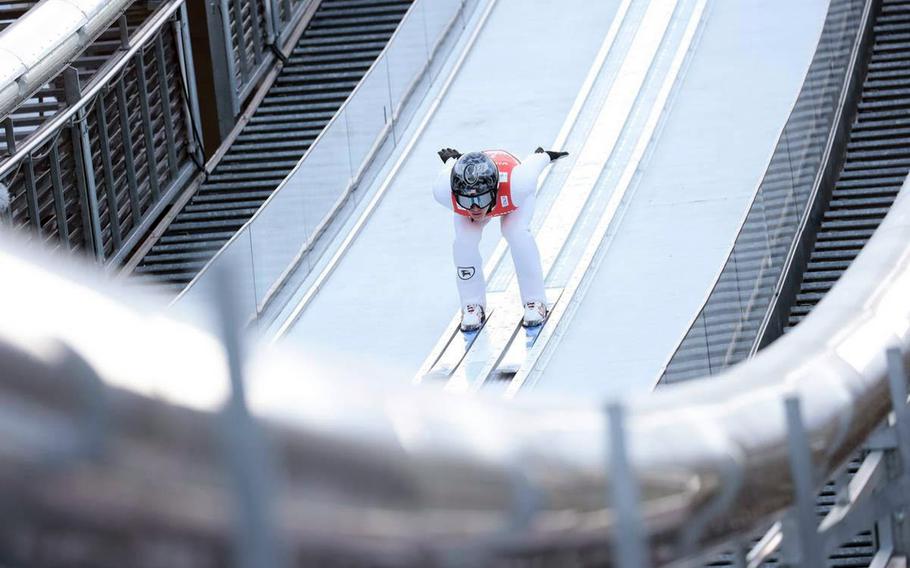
(516, 229)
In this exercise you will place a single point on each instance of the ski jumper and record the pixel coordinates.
(515, 225)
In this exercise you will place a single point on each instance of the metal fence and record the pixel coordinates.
(274, 242)
(250, 32)
(728, 324)
(98, 174)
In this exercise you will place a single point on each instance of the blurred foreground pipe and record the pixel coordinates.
(411, 476)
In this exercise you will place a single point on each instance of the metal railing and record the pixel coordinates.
(366, 472)
(100, 172)
(728, 323)
(278, 237)
(250, 32)
(51, 34)
(50, 99)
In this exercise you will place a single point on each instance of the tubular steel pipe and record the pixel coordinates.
(419, 472)
(35, 47)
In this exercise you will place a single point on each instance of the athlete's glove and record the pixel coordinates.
(447, 153)
(553, 155)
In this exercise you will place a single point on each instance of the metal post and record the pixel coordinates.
(256, 21)
(59, 200)
(128, 162)
(164, 96)
(249, 465)
(739, 555)
(270, 35)
(242, 55)
(124, 32)
(228, 46)
(31, 194)
(188, 73)
(113, 204)
(629, 532)
(808, 544)
(10, 132)
(85, 171)
(897, 380)
(151, 160)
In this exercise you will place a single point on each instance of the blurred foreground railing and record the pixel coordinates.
(128, 426)
(279, 237)
(100, 172)
(727, 326)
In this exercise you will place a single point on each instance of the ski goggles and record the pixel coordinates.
(482, 201)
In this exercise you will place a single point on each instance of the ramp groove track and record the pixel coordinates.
(336, 50)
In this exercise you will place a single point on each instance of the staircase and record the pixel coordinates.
(333, 54)
(877, 160)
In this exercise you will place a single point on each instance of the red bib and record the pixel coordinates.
(506, 163)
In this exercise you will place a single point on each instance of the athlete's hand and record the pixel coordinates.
(551, 153)
(447, 153)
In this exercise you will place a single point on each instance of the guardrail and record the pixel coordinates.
(726, 327)
(34, 48)
(249, 33)
(100, 172)
(415, 476)
(275, 241)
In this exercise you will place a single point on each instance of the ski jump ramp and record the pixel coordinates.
(669, 109)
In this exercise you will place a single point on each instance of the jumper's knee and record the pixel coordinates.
(516, 233)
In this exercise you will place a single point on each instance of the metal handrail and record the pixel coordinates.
(25, 69)
(422, 470)
(50, 129)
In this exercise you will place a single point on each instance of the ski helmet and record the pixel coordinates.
(475, 181)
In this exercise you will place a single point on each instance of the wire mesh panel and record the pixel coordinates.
(730, 320)
(97, 176)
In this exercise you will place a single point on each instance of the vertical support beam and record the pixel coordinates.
(256, 21)
(124, 29)
(250, 468)
(85, 172)
(242, 52)
(808, 544)
(151, 160)
(104, 143)
(897, 382)
(10, 133)
(271, 37)
(228, 45)
(629, 533)
(188, 72)
(129, 163)
(286, 5)
(164, 95)
(31, 194)
(59, 199)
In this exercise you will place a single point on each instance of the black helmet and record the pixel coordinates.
(475, 180)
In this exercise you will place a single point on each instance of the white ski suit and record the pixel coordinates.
(515, 227)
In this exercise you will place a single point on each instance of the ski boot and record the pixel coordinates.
(472, 317)
(535, 314)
